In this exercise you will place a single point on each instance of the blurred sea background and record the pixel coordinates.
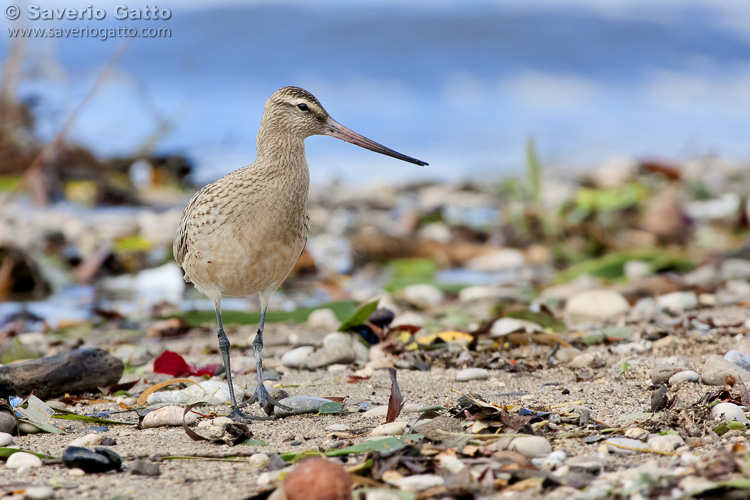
(459, 84)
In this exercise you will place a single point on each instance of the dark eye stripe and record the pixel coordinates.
(303, 106)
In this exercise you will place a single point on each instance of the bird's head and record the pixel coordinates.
(298, 112)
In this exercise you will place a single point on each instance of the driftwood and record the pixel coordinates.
(76, 371)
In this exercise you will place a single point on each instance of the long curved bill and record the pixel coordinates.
(335, 129)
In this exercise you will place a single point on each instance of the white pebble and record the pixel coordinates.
(258, 460)
(76, 472)
(683, 376)
(424, 296)
(554, 460)
(728, 411)
(20, 459)
(688, 459)
(296, 357)
(667, 442)
(597, 304)
(676, 302)
(93, 439)
(389, 429)
(531, 446)
(167, 416)
(472, 374)
(636, 433)
(323, 319)
(337, 339)
(337, 428)
(38, 493)
(377, 411)
(219, 392)
(5, 439)
(222, 421)
(504, 326)
(417, 483)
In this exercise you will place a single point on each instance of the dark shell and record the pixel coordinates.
(100, 460)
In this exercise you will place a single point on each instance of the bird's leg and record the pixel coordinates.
(234, 413)
(261, 393)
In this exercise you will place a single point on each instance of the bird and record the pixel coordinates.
(243, 233)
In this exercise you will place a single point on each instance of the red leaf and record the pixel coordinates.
(396, 401)
(173, 364)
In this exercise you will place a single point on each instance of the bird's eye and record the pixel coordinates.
(303, 106)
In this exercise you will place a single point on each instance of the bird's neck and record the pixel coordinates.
(278, 149)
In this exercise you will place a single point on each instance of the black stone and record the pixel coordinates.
(99, 460)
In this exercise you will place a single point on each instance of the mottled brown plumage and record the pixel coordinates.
(243, 233)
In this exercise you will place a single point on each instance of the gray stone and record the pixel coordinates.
(531, 446)
(587, 463)
(323, 319)
(643, 310)
(716, 369)
(738, 358)
(7, 423)
(667, 442)
(144, 468)
(683, 376)
(299, 405)
(663, 372)
(296, 357)
(342, 355)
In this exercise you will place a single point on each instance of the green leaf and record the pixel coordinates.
(332, 408)
(45, 427)
(15, 350)
(254, 442)
(6, 452)
(612, 266)
(91, 420)
(405, 272)
(360, 316)
(342, 309)
(721, 429)
(389, 443)
(385, 444)
(542, 319)
(624, 367)
(533, 170)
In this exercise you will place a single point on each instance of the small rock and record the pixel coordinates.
(499, 260)
(336, 340)
(382, 316)
(677, 302)
(5, 439)
(408, 318)
(667, 442)
(376, 411)
(389, 429)
(258, 460)
(143, 468)
(22, 459)
(587, 463)
(659, 399)
(323, 319)
(504, 326)
(299, 405)
(317, 479)
(716, 369)
(636, 433)
(167, 416)
(643, 310)
(531, 446)
(472, 374)
(625, 445)
(335, 355)
(728, 411)
(416, 483)
(637, 269)
(424, 296)
(663, 372)
(337, 428)
(99, 460)
(554, 460)
(296, 357)
(38, 493)
(688, 459)
(93, 439)
(565, 354)
(27, 428)
(597, 304)
(585, 360)
(7, 423)
(219, 392)
(738, 358)
(76, 472)
(683, 376)
(476, 293)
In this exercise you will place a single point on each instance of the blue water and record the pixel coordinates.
(460, 86)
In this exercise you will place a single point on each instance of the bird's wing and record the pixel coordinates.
(180, 244)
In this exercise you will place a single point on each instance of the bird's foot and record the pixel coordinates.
(264, 399)
(238, 416)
